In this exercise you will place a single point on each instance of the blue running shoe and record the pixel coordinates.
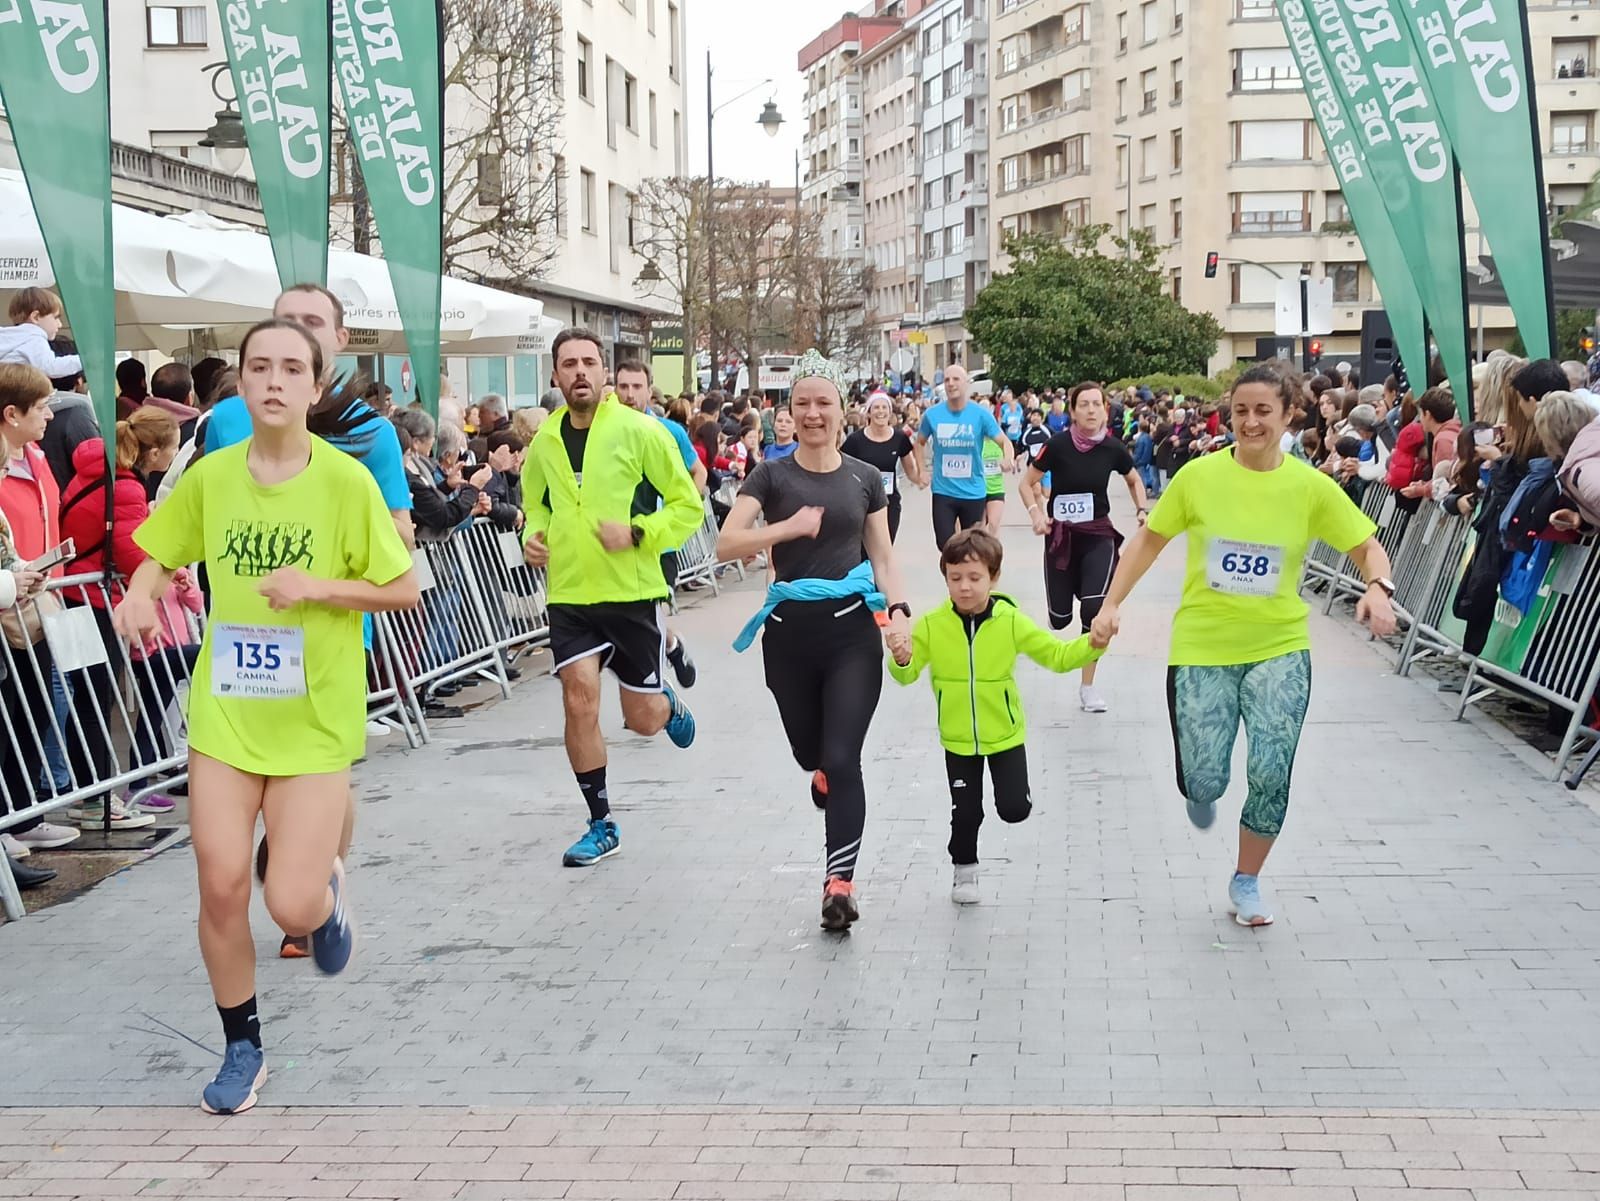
(1202, 814)
(602, 841)
(334, 942)
(243, 1070)
(680, 726)
(1244, 897)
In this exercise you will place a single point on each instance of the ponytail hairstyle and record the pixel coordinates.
(146, 430)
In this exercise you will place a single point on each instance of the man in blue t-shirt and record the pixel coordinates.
(957, 431)
(1011, 418)
(367, 438)
(633, 389)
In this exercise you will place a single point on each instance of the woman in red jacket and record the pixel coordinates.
(146, 442)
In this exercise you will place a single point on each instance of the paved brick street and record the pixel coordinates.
(1437, 952)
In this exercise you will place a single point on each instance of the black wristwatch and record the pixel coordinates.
(638, 535)
(900, 607)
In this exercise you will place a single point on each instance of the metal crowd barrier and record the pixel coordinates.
(697, 560)
(1558, 661)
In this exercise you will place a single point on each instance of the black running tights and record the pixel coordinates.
(1012, 798)
(824, 667)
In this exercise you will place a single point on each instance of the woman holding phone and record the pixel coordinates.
(298, 543)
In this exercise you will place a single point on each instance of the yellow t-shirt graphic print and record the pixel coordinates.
(278, 693)
(1248, 534)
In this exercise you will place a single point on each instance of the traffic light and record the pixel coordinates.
(1313, 354)
(1586, 340)
(1212, 259)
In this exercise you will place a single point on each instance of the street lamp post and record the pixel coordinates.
(1127, 140)
(770, 120)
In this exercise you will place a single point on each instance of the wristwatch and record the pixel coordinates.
(638, 535)
(1385, 583)
(900, 607)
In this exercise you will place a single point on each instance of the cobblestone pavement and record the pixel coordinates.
(756, 1154)
(1438, 910)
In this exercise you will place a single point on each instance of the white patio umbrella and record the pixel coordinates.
(147, 265)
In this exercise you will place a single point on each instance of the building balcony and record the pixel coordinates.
(1039, 54)
(167, 184)
(1042, 177)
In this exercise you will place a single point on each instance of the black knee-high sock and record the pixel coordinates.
(593, 786)
(240, 1024)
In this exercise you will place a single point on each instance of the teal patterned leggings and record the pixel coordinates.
(1207, 704)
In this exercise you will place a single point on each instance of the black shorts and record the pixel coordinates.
(626, 634)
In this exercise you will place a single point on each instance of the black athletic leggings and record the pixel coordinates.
(894, 516)
(1094, 562)
(947, 510)
(824, 666)
(1012, 800)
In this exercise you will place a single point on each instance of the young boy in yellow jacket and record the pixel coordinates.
(970, 646)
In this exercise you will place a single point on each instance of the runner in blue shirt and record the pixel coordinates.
(355, 429)
(1011, 418)
(633, 389)
(957, 429)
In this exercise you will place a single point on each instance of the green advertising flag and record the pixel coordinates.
(1403, 141)
(278, 50)
(53, 82)
(1476, 59)
(388, 54)
(1361, 196)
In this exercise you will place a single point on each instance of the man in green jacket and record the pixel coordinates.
(590, 485)
(970, 645)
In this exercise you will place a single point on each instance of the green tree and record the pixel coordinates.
(1570, 324)
(1067, 311)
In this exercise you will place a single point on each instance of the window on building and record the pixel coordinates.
(650, 16)
(1255, 10)
(930, 93)
(652, 119)
(491, 182)
(1147, 89)
(933, 143)
(1122, 99)
(677, 141)
(1338, 212)
(1571, 133)
(585, 70)
(930, 245)
(952, 136)
(1008, 116)
(1010, 174)
(953, 237)
(1075, 154)
(1177, 284)
(175, 25)
(952, 188)
(1176, 205)
(1266, 69)
(1122, 33)
(1177, 80)
(1122, 163)
(1572, 58)
(586, 199)
(1179, 7)
(1346, 282)
(559, 183)
(1271, 212)
(616, 225)
(1271, 141)
(1074, 213)
(1257, 283)
(952, 81)
(1147, 219)
(674, 28)
(630, 102)
(1177, 150)
(952, 27)
(1149, 22)
(1147, 158)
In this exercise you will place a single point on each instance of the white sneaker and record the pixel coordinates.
(46, 836)
(1091, 700)
(964, 891)
(13, 848)
(93, 816)
(379, 729)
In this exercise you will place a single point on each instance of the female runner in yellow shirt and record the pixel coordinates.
(298, 544)
(1240, 639)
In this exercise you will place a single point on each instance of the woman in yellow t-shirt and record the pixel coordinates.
(1240, 639)
(297, 543)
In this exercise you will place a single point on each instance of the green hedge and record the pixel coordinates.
(1189, 385)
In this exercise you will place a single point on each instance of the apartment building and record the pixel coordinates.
(891, 189)
(1189, 120)
(623, 100)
